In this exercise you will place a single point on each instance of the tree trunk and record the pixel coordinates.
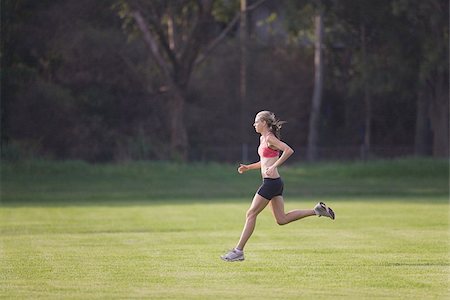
(314, 119)
(365, 153)
(243, 79)
(178, 132)
(421, 138)
(439, 113)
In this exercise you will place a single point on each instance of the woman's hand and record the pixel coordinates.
(270, 170)
(243, 168)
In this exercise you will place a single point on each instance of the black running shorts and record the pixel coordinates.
(271, 187)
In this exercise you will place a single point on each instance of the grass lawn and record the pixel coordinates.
(156, 231)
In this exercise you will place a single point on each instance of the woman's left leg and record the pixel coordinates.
(258, 204)
(277, 206)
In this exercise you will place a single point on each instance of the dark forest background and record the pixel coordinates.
(116, 80)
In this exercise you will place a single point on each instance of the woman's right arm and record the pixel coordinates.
(244, 168)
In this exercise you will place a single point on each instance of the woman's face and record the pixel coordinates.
(259, 124)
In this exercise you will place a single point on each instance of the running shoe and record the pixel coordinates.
(322, 210)
(233, 255)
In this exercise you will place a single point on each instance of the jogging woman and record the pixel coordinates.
(271, 190)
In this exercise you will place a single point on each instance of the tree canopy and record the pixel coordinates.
(129, 79)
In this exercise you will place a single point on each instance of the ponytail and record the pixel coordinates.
(275, 127)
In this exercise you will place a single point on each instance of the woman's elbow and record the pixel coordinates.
(289, 151)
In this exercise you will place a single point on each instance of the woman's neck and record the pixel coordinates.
(266, 133)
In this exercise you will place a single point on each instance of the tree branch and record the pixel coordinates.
(196, 39)
(152, 44)
(224, 33)
(217, 40)
(163, 41)
(255, 5)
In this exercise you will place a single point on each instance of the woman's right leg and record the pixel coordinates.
(258, 204)
(277, 205)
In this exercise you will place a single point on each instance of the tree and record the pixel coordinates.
(377, 69)
(314, 117)
(363, 28)
(243, 37)
(313, 12)
(179, 35)
(429, 21)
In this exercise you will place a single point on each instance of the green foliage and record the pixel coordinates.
(299, 21)
(430, 21)
(224, 11)
(76, 86)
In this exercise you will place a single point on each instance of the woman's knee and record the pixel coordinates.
(282, 221)
(252, 214)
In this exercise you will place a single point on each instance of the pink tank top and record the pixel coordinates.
(267, 152)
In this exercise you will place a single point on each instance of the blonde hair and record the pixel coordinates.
(272, 122)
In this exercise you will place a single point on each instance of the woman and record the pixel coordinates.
(271, 191)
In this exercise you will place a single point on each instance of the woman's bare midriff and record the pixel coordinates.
(267, 162)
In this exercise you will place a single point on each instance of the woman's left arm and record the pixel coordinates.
(287, 151)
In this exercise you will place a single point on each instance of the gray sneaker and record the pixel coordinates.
(322, 210)
(233, 255)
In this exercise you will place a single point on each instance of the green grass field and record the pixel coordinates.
(156, 231)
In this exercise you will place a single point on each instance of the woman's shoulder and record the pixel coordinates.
(271, 138)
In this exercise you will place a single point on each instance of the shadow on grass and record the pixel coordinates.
(129, 202)
(38, 183)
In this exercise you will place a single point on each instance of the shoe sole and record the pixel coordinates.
(328, 210)
(232, 260)
(331, 213)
